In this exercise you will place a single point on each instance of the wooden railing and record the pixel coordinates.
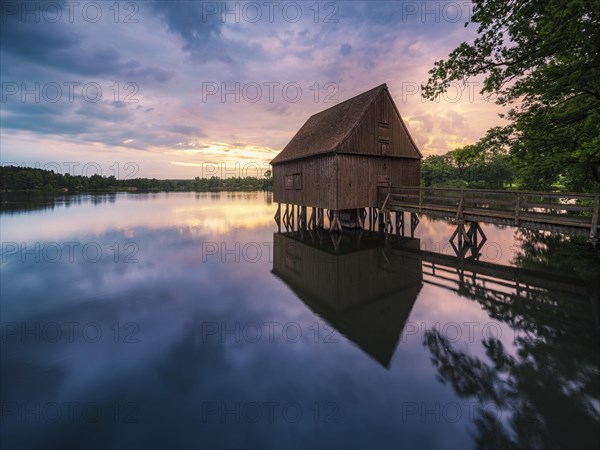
(555, 211)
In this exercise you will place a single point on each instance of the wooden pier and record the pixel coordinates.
(573, 213)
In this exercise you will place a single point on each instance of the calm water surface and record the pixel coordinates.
(185, 320)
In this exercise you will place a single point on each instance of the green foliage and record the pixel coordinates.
(436, 169)
(467, 168)
(541, 57)
(14, 178)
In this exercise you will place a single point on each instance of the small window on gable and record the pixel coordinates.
(384, 146)
(383, 138)
(384, 130)
(293, 181)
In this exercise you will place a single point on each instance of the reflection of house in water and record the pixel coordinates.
(365, 291)
(366, 288)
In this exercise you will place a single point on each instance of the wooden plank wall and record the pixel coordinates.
(358, 177)
(365, 138)
(318, 186)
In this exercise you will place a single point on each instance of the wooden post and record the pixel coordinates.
(292, 217)
(420, 199)
(517, 209)
(375, 216)
(464, 242)
(359, 220)
(472, 233)
(278, 217)
(414, 221)
(311, 220)
(403, 223)
(278, 212)
(400, 223)
(302, 221)
(595, 214)
(388, 223)
(459, 209)
(286, 217)
(335, 222)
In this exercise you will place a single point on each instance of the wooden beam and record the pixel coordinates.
(335, 224)
(387, 197)
(302, 217)
(286, 217)
(414, 221)
(595, 214)
(459, 210)
(312, 219)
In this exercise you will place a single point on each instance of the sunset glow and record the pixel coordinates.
(182, 85)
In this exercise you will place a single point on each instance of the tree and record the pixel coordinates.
(438, 170)
(542, 58)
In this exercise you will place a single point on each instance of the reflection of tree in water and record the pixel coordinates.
(556, 252)
(549, 390)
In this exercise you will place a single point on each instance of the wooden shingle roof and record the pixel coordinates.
(325, 131)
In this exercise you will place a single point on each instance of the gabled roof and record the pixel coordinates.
(325, 131)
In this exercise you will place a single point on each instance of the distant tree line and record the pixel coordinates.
(465, 168)
(14, 178)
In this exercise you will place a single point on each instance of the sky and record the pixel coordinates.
(179, 89)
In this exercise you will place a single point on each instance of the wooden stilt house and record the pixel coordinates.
(341, 155)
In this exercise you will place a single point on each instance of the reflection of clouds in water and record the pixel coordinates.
(215, 213)
(457, 319)
(174, 368)
(435, 235)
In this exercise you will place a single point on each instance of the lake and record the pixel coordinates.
(185, 320)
